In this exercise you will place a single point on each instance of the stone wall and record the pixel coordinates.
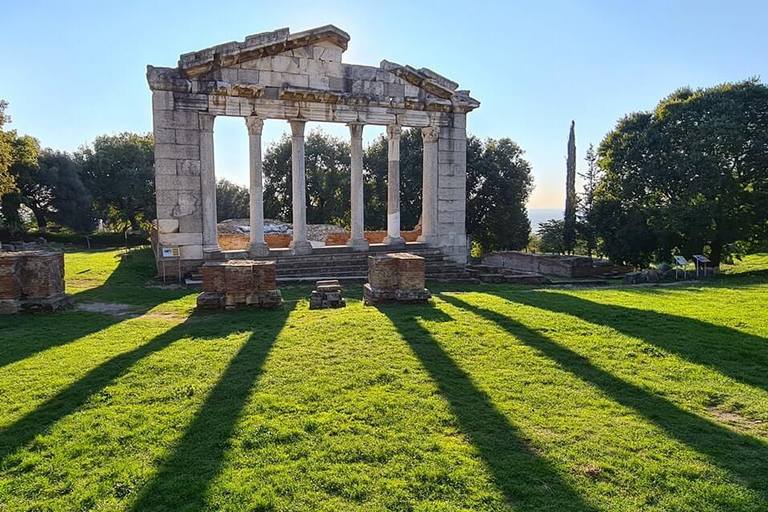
(551, 264)
(452, 188)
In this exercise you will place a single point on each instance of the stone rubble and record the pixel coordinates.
(327, 294)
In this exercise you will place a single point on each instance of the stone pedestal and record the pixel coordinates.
(327, 295)
(396, 277)
(239, 283)
(32, 281)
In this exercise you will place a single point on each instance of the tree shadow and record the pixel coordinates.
(67, 401)
(743, 456)
(22, 336)
(183, 480)
(738, 355)
(526, 480)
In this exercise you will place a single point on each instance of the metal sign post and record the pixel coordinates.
(681, 264)
(701, 263)
(171, 254)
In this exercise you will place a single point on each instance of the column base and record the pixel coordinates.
(258, 249)
(212, 252)
(301, 247)
(358, 244)
(428, 239)
(396, 241)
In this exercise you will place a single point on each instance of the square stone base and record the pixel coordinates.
(261, 300)
(373, 296)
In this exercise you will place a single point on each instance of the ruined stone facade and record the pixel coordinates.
(395, 277)
(239, 283)
(298, 78)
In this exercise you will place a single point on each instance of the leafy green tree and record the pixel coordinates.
(7, 183)
(551, 236)
(119, 172)
(327, 177)
(499, 183)
(586, 226)
(571, 200)
(24, 153)
(59, 192)
(411, 181)
(690, 176)
(232, 200)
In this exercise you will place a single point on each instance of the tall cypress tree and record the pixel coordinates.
(569, 231)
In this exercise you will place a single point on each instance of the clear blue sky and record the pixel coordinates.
(75, 70)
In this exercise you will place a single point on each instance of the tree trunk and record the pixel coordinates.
(133, 221)
(716, 255)
(42, 223)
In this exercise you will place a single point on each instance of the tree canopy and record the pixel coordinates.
(232, 200)
(689, 177)
(119, 172)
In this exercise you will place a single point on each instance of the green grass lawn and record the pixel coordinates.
(489, 398)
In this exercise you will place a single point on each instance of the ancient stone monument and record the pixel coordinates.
(32, 281)
(239, 283)
(327, 294)
(395, 277)
(298, 78)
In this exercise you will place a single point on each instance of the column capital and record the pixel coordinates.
(297, 127)
(255, 125)
(206, 122)
(394, 131)
(430, 133)
(356, 130)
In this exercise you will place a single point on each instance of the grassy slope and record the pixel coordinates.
(495, 399)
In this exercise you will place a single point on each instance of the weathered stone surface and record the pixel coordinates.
(240, 283)
(327, 295)
(32, 281)
(395, 277)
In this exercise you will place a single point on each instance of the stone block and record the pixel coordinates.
(295, 80)
(382, 272)
(188, 137)
(171, 119)
(191, 252)
(165, 136)
(271, 79)
(177, 151)
(166, 197)
(188, 168)
(319, 82)
(258, 64)
(177, 239)
(165, 166)
(325, 53)
(167, 226)
(32, 281)
(162, 100)
(284, 64)
(177, 182)
(191, 223)
(240, 283)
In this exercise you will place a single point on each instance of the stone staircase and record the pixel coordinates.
(344, 264)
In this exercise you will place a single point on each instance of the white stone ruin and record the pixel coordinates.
(298, 78)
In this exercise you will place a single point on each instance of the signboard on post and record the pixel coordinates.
(170, 254)
(701, 264)
(680, 264)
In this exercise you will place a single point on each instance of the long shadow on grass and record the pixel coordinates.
(183, 480)
(70, 399)
(527, 481)
(740, 356)
(743, 456)
(25, 335)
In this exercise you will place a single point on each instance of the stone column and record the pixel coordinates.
(357, 239)
(257, 247)
(393, 187)
(208, 184)
(430, 134)
(299, 244)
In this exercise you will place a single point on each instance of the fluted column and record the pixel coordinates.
(257, 247)
(208, 183)
(357, 238)
(299, 244)
(430, 134)
(393, 187)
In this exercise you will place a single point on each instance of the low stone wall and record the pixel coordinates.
(551, 264)
(233, 242)
(373, 237)
(32, 281)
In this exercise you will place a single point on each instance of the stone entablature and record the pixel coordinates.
(298, 78)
